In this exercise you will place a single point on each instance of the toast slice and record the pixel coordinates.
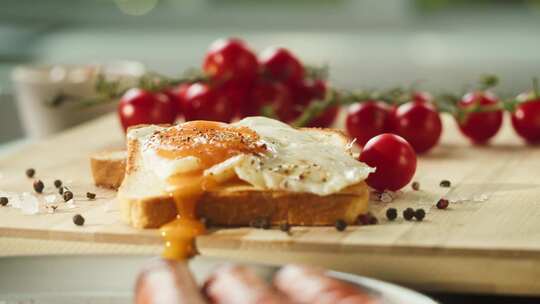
(145, 204)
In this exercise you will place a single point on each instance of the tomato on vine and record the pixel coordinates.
(139, 106)
(230, 60)
(419, 123)
(368, 119)
(203, 101)
(281, 65)
(526, 115)
(482, 125)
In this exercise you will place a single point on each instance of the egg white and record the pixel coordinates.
(296, 160)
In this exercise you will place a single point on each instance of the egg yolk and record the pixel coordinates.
(212, 143)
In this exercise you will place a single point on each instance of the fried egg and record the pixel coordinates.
(265, 153)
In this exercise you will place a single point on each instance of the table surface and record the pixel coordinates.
(491, 234)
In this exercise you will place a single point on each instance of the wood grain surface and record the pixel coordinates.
(487, 244)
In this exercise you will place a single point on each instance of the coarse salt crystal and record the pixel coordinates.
(50, 199)
(70, 204)
(29, 204)
(386, 197)
(480, 198)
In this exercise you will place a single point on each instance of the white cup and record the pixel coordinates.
(37, 86)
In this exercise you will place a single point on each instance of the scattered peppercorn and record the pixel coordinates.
(415, 186)
(419, 214)
(78, 220)
(408, 214)
(38, 186)
(4, 201)
(260, 222)
(363, 219)
(391, 214)
(340, 225)
(30, 172)
(445, 183)
(90, 195)
(61, 190)
(68, 195)
(58, 183)
(442, 203)
(373, 220)
(285, 227)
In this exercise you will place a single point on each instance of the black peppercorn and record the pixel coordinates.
(340, 225)
(285, 227)
(78, 220)
(30, 172)
(408, 214)
(442, 203)
(391, 214)
(415, 186)
(38, 186)
(445, 183)
(90, 195)
(68, 195)
(419, 214)
(61, 190)
(58, 183)
(260, 222)
(4, 201)
(373, 220)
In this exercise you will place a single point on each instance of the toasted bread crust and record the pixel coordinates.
(238, 206)
(108, 169)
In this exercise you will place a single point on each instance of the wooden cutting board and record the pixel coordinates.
(489, 243)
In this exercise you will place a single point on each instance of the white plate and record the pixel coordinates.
(110, 279)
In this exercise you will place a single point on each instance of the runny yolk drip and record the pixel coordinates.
(211, 143)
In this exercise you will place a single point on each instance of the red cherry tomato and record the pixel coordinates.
(177, 94)
(421, 96)
(230, 60)
(280, 64)
(419, 123)
(367, 119)
(481, 126)
(205, 102)
(269, 93)
(526, 118)
(394, 160)
(327, 118)
(139, 106)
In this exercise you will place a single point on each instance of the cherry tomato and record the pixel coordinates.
(394, 160)
(280, 64)
(367, 119)
(306, 92)
(526, 118)
(419, 123)
(177, 94)
(139, 106)
(230, 60)
(481, 126)
(205, 102)
(269, 93)
(421, 96)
